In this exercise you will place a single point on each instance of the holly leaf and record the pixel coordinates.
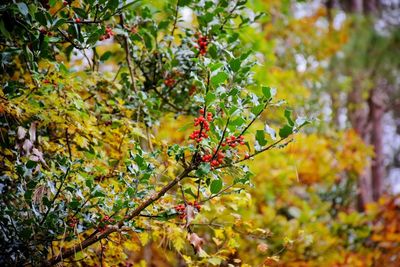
(285, 131)
(216, 186)
(288, 116)
(219, 78)
(260, 137)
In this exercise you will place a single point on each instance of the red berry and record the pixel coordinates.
(78, 20)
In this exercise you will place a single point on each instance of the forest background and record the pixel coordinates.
(97, 106)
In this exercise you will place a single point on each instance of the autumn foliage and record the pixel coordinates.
(147, 132)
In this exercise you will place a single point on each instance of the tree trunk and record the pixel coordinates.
(370, 6)
(377, 110)
(357, 6)
(358, 116)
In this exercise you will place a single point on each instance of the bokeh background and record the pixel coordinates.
(329, 198)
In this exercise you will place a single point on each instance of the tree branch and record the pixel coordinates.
(111, 229)
(175, 21)
(128, 55)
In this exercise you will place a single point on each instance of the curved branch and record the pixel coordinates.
(111, 229)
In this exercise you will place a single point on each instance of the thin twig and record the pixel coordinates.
(175, 21)
(68, 144)
(218, 194)
(222, 139)
(255, 153)
(229, 16)
(254, 119)
(183, 193)
(128, 55)
(55, 196)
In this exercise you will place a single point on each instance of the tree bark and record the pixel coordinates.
(357, 6)
(376, 103)
(358, 116)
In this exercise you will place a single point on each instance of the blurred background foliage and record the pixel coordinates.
(324, 200)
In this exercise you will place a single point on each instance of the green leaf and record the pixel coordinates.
(23, 8)
(212, 50)
(80, 12)
(112, 4)
(105, 56)
(203, 169)
(53, 2)
(215, 261)
(233, 37)
(285, 131)
(266, 92)
(59, 22)
(163, 24)
(288, 116)
(257, 109)
(41, 18)
(31, 164)
(148, 40)
(215, 186)
(94, 37)
(216, 66)
(235, 64)
(3, 29)
(232, 110)
(219, 78)
(238, 122)
(260, 137)
(183, 2)
(210, 97)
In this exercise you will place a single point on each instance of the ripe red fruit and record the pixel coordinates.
(169, 82)
(109, 31)
(65, 3)
(202, 44)
(77, 20)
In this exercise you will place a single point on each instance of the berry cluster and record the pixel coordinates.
(72, 222)
(169, 82)
(104, 222)
(181, 209)
(108, 34)
(233, 141)
(107, 219)
(198, 135)
(45, 32)
(216, 161)
(202, 44)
